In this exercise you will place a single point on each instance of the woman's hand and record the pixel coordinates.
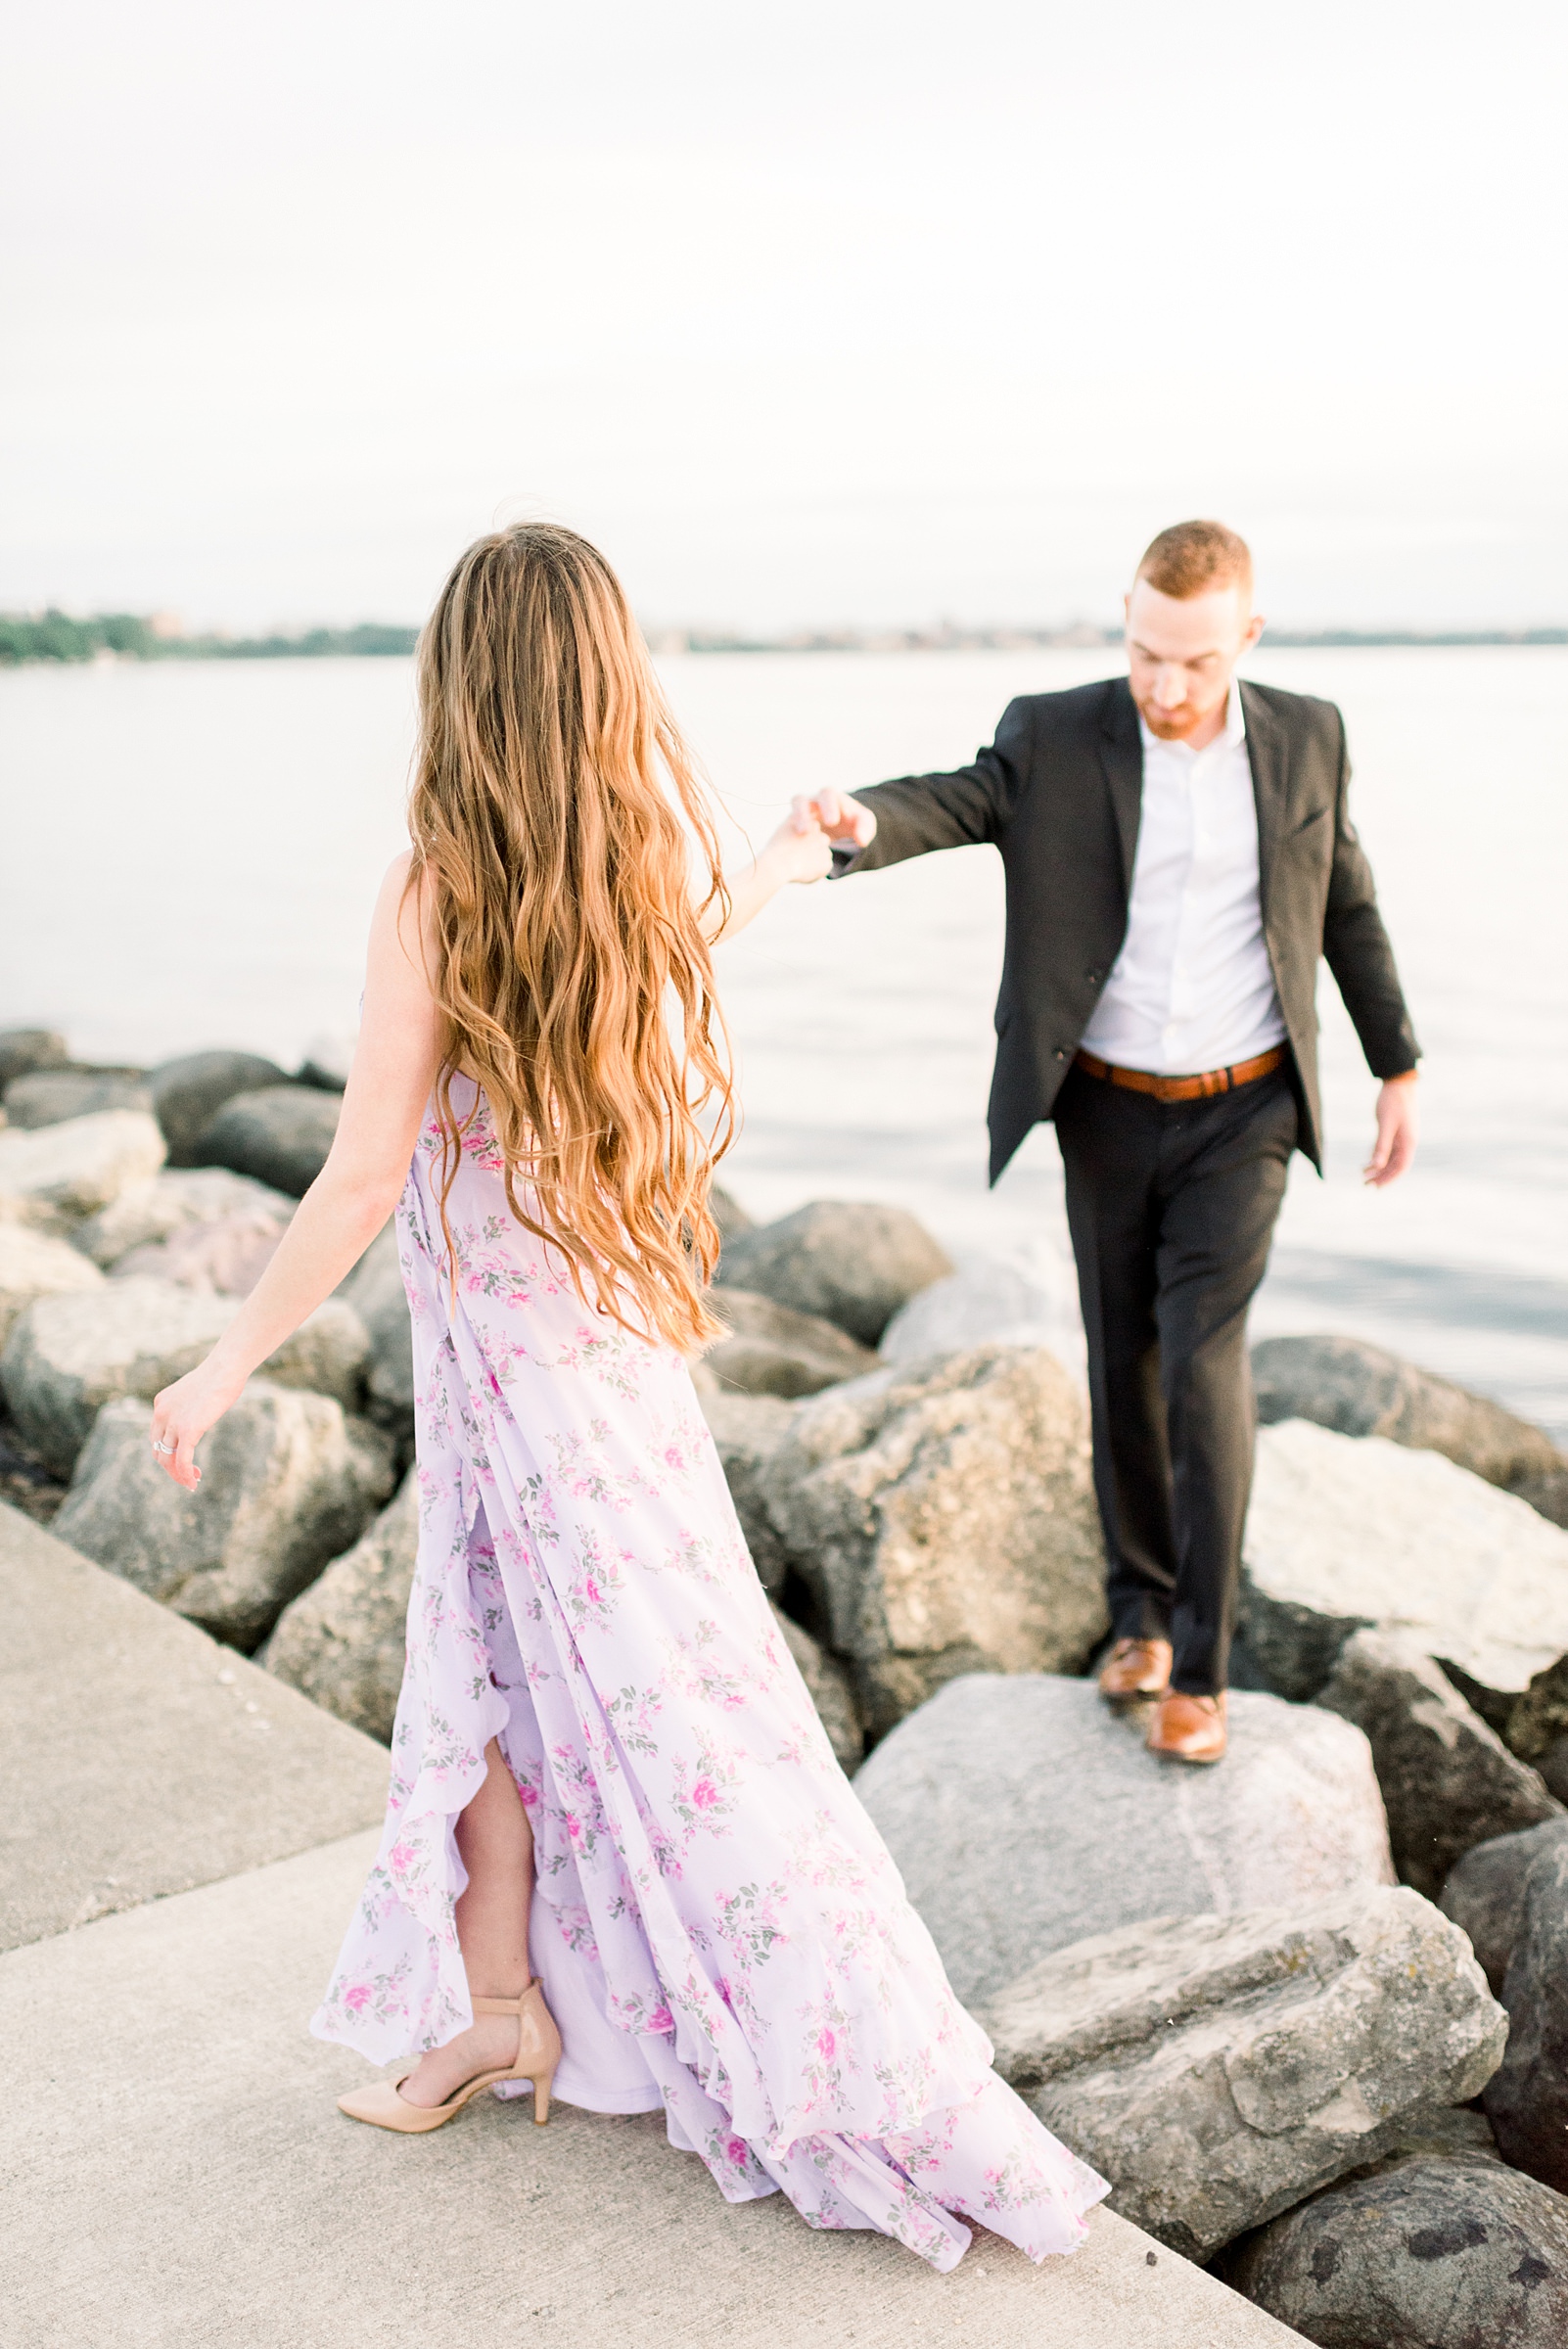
(799, 850)
(183, 1412)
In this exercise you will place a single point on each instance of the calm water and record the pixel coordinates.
(193, 853)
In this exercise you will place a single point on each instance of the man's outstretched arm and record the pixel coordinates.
(917, 814)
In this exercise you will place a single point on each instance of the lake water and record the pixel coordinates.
(192, 851)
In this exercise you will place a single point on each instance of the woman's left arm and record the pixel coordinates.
(393, 1068)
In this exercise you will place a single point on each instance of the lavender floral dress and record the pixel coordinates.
(718, 1927)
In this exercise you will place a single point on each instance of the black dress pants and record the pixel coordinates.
(1172, 1207)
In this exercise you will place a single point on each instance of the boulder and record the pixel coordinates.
(747, 1431)
(831, 1692)
(225, 1258)
(49, 1096)
(1026, 1814)
(150, 1213)
(67, 1355)
(1218, 2068)
(287, 1483)
(60, 1174)
(1553, 1767)
(772, 1351)
(342, 1641)
(1348, 1534)
(1527, 2099)
(23, 1049)
(1422, 2251)
(281, 1135)
(375, 1291)
(188, 1093)
(327, 1062)
(987, 1300)
(32, 1265)
(942, 1520)
(1537, 1720)
(1359, 1390)
(1547, 1493)
(852, 1263)
(1449, 1782)
(1485, 1893)
(729, 1213)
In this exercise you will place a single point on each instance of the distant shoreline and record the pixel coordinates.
(54, 637)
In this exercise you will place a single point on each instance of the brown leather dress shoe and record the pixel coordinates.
(1188, 1729)
(1134, 1668)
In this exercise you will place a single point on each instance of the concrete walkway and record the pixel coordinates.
(173, 2169)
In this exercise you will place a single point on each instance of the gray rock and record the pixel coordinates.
(772, 1351)
(1485, 1893)
(287, 1483)
(327, 1063)
(852, 1263)
(67, 1355)
(1431, 2251)
(375, 1290)
(61, 1174)
(831, 1692)
(33, 1265)
(1538, 1719)
(1348, 1534)
(1359, 1390)
(1527, 2101)
(225, 1258)
(49, 1096)
(23, 1049)
(1025, 1815)
(1449, 1782)
(984, 1302)
(280, 1134)
(1547, 1493)
(747, 1431)
(1218, 2068)
(942, 1519)
(188, 1093)
(342, 1640)
(729, 1213)
(151, 1212)
(1553, 1767)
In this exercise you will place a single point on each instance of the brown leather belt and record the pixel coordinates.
(1184, 1088)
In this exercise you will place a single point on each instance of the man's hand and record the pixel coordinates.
(1397, 1123)
(846, 822)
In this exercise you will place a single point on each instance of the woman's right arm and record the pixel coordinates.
(395, 1067)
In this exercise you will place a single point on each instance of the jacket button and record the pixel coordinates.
(1061, 1053)
(1093, 977)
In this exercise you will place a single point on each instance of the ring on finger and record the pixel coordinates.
(164, 1448)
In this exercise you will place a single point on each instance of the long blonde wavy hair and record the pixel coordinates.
(572, 964)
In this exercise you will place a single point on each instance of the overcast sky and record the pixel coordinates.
(833, 311)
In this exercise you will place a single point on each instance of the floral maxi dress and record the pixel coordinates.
(718, 1924)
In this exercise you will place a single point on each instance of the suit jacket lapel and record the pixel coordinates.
(1267, 755)
(1122, 758)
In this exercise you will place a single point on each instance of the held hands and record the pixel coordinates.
(1396, 1125)
(846, 824)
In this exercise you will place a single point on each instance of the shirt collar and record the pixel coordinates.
(1233, 732)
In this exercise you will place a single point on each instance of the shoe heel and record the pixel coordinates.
(541, 2097)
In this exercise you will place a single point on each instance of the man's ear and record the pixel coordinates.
(1255, 628)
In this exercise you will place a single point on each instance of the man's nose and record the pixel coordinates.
(1170, 686)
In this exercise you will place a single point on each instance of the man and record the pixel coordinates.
(1177, 853)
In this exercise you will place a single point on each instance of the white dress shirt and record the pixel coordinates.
(1191, 989)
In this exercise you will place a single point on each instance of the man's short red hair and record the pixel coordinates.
(1192, 557)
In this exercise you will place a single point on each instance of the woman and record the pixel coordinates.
(612, 1804)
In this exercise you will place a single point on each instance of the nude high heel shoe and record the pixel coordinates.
(538, 2051)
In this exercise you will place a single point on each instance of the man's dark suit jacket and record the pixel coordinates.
(1059, 793)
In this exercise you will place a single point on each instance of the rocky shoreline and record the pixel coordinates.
(1342, 2076)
